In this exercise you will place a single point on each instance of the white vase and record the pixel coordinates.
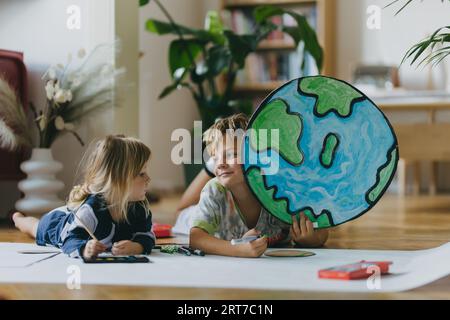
(41, 186)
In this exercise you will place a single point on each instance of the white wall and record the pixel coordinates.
(126, 115)
(38, 28)
(358, 44)
(158, 118)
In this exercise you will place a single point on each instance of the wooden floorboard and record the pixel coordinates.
(408, 223)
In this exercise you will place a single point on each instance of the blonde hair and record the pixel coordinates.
(110, 170)
(219, 129)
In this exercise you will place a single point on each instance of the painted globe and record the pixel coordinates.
(320, 146)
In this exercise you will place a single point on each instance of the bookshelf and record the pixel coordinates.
(258, 86)
(280, 49)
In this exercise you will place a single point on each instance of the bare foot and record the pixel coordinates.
(25, 224)
(16, 217)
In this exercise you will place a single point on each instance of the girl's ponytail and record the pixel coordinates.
(77, 195)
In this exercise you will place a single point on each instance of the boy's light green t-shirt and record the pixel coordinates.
(218, 215)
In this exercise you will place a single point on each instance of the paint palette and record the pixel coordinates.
(318, 145)
(117, 259)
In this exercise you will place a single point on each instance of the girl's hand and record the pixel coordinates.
(93, 248)
(252, 249)
(303, 232)
(126, 248)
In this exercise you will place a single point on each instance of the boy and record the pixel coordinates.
(228, 209)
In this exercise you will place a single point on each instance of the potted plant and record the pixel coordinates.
(435, 43)
(70, 96)
(200, 58)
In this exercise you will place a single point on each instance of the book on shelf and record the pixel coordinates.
(241, 21)
(261, 67)
(272, 66)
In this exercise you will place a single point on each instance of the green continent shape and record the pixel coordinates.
(275, 116)
(333, 95)
(278, 207)
(383, 177)
(331, 142)
(322, 220)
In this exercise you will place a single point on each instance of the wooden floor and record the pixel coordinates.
(395, 223)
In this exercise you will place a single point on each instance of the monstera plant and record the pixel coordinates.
(199, 58)
(206, 61)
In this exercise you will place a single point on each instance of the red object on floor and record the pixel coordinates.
(162, 230)
(358, 270)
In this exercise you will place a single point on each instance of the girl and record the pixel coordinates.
(110, 203)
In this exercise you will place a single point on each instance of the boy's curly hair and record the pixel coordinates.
(216, 132)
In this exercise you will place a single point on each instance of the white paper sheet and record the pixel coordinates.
(10, 256)
(410, 269)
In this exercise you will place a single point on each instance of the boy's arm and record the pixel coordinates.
(206, 223)
(200, 239)
(317, 240)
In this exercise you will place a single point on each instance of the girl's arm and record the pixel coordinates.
(142, 233)
(75, 240)
(142, 237)
(200, 239)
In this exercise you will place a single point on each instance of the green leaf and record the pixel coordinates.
(218, 59)
(143, 2)
(241, 46)
(167, 90)
(303, 32)
(403, 7)
(163, 28)
(434, 53)
(263, 30)
(295, 34)
(182, 54)
(179, 74)
(310, 40)
(262, 13)
(198, 74)
(309, 37)
(170, 88)
(214, 26)
(408, 2)
(242, 105)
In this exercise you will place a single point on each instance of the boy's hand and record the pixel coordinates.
(126, 248)
(252, 249)
(303, 232)
(93, 248)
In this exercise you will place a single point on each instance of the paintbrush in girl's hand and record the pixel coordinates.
(85, 228)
